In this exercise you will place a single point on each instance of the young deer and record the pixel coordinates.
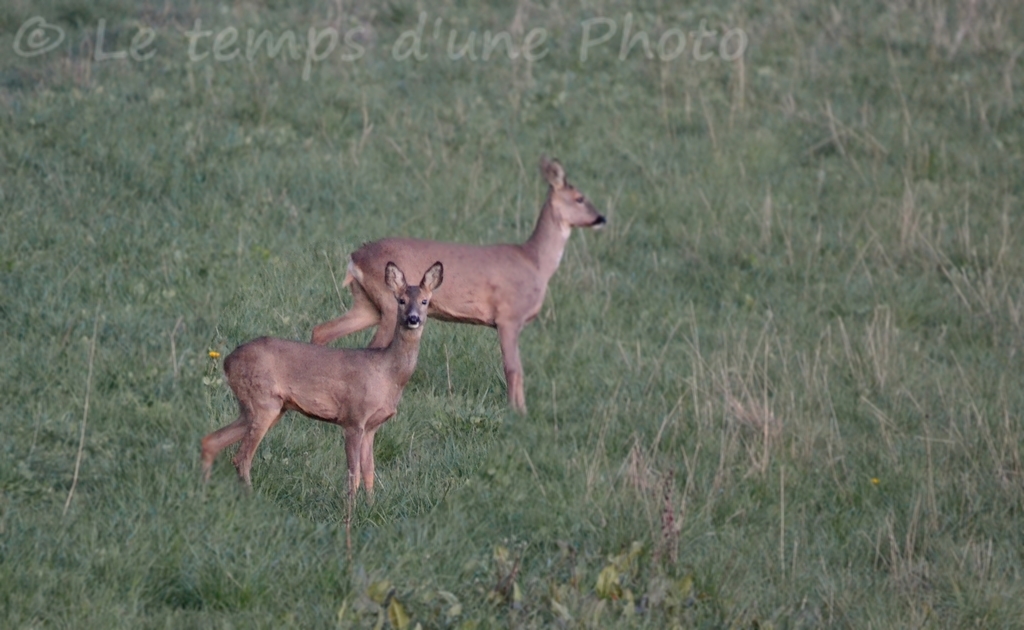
(358, 389)
(501, 286)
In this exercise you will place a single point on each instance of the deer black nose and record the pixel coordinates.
(600, 220)
(413, 320)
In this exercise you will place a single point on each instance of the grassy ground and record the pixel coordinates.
(781, 389)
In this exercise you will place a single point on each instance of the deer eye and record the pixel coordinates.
(401, 301)
(424, 302)
(580, 199)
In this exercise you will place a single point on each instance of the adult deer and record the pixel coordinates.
(501, 286)
(358, 389)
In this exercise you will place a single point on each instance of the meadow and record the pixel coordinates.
(781, 389)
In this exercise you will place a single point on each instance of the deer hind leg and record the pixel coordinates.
(508, 336)
(363, 314)
(263, 418)
(220, 439)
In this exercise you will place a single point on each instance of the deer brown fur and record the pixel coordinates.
(501, 286)
(357, 389)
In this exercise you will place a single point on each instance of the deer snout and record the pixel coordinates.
(599, 221)
(413, 321)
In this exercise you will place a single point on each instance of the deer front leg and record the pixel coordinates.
(353, 450)
(386, 326)
(366, 462)
(508, 336)
(363, 314)
(354, 438)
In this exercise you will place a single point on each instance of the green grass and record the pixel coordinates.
(781, 389)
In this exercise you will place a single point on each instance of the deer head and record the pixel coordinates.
(569, 206)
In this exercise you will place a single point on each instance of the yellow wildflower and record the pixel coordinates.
(214, 354)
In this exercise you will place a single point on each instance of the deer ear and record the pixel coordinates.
(433, 277)
(394, 278)
(553, 172)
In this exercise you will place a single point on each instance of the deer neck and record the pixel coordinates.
(546, 244)
(403, 353)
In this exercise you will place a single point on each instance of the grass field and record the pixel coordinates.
(782, 389)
